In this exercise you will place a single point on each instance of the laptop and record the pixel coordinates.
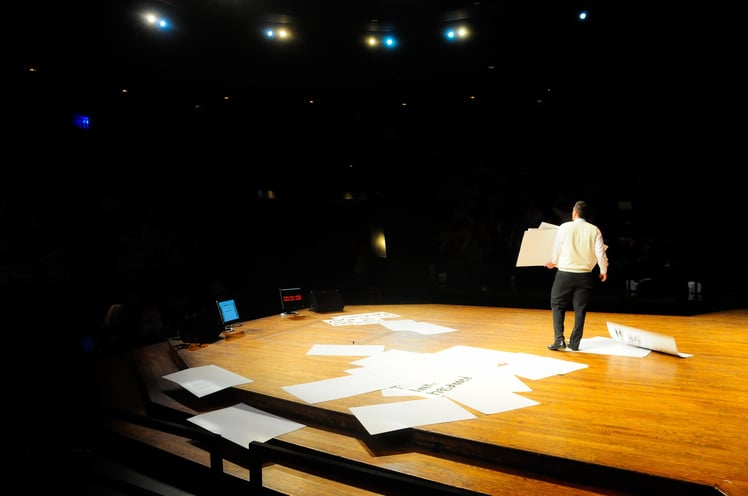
(228, 312)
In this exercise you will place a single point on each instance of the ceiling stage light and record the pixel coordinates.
(279, 27)
(387, 42)
(380, 35)
(278, 33)
(456, 33)
(154, 20)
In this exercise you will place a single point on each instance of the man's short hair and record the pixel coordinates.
(581, 208)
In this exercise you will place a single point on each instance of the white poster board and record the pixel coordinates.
(537, 246)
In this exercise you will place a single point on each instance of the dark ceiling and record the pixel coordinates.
(634, 79)
(527, 46)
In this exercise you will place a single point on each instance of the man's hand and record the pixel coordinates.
(604, 277)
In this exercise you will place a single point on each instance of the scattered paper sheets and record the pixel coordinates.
(360, 318)
(645, 339)
(482, 379)
(345, 349)
(601, 345)
(485, 380)
(631, 342)
(207, 379)
(243, 424)
(412, 325)
(537, 367)
(395, 416)
(339, 387)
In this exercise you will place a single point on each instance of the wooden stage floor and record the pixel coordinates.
(651, 419)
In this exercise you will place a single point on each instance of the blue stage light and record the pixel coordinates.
(81, 121)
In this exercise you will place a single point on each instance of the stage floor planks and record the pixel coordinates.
(662, 416)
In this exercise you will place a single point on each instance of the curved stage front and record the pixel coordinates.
(657, 423)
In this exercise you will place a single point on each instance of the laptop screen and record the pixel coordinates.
(227, 311)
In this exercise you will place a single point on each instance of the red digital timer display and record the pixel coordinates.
(292, 299)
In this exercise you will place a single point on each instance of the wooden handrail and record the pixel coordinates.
(342, 470)
(313, 462)
(212, 442)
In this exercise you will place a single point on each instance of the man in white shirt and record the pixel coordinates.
(577, 249)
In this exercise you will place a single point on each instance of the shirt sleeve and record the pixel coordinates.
(601, 253)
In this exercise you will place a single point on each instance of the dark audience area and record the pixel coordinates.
(164, 232)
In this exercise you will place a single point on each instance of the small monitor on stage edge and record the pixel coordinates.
(228, 312)
(292, 300)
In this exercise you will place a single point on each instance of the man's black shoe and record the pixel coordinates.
(557, 346)
(572, 348)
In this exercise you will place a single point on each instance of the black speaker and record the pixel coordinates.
(326, 301)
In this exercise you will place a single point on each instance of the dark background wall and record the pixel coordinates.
(165, 200)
